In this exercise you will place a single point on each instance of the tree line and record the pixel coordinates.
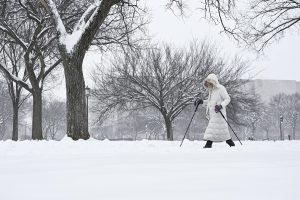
(37, 37)
(278, 119)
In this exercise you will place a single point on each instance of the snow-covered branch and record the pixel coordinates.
(60, 27)
(14, 78)
(83, 20)
(49, 70)
(30, 14)
(44, 31)
(13, 35)
(87, 26)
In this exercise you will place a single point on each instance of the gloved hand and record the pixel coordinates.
(218, 108)
(198, 102)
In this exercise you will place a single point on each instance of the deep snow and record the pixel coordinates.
(143, 170)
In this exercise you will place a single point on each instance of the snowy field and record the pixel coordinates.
(148, 170)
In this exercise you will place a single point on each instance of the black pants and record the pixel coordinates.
(209, 143)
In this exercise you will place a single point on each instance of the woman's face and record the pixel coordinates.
(208, 85)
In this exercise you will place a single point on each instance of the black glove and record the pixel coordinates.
(198, 102)
(218, 108)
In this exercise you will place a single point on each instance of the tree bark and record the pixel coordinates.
(15, 122)
(169, 128)
(77, 120)
(37, 132)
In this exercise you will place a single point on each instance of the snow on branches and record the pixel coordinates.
(88, 19)
(15, 78)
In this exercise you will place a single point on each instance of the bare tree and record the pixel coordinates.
(264, 122)
(256, 23)
(286, 106)
(251, 115)
(216, 11)
(54, 120)
(291, 113)
(5, 109)
(297, 116)
(24, 24)
(165, 79)
(268, 20)
(12, 60)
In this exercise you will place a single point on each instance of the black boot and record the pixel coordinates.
(208, 144)
(230, 143)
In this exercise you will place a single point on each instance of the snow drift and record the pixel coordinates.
(145, 170)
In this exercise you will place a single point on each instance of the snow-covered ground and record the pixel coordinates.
(144, 170)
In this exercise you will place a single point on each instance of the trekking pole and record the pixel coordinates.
(231, 128)
(189, 125)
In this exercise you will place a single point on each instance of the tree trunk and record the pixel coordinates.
(169, 128)
(15, 122)
(37, 133)
(294, 131)
(77, 120)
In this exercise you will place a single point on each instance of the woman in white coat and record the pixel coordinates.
(217, 129)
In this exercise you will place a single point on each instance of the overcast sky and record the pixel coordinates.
(280, 61)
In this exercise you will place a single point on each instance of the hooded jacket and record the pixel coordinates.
(217, 129)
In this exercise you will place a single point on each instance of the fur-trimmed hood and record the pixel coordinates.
(212, 78)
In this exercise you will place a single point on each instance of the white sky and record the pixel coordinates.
(281, 60)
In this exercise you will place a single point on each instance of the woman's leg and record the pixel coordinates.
(230, 143)
(208, 144)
